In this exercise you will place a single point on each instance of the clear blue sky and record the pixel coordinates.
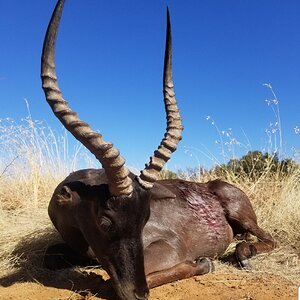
(110, 59)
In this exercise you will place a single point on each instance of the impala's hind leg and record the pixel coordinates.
(248, 248)
(245, 250)
(243, 222)
(242, 219)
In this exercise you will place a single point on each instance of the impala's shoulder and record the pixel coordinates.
(162, 190)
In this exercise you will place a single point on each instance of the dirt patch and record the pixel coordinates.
(226, 286)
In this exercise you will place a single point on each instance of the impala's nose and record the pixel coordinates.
(141, 296)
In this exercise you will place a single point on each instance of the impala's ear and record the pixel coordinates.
(64, 198)
(158, 192)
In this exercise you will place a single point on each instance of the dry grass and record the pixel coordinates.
(35, 159)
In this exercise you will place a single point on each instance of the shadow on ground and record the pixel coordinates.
(27, 260)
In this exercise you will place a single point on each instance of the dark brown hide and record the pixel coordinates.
(188, 221)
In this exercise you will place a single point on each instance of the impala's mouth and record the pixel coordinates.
(143, 297)
(127, 291)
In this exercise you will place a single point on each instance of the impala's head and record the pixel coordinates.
(114, 214)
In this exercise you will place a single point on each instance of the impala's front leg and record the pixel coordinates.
(165, 263)
(181, 271)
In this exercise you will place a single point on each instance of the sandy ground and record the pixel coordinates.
(274, 276)
(239, 285)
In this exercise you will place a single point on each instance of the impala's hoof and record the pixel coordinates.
(245, 264)
(243, 252)
(207, 262)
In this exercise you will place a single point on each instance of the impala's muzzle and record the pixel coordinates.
(127, 291)
(142, 296)
(125, 266)
(131, 290)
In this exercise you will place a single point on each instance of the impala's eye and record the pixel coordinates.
(105, 224)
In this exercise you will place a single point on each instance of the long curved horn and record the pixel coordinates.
(174, 128)
(117, 174)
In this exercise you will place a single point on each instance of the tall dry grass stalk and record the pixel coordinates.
(33, 160)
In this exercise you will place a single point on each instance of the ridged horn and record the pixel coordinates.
(174, 127)
(117, 174)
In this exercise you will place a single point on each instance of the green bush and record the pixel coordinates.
(256, 164)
